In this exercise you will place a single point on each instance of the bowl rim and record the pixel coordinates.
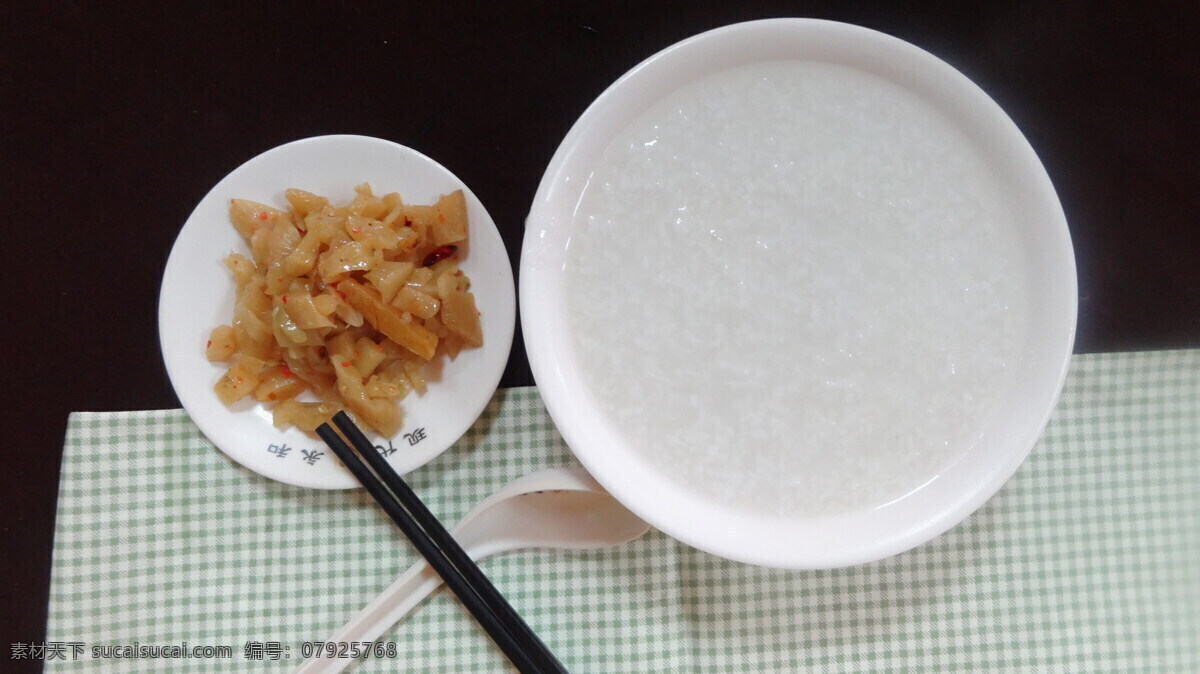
(572, 407)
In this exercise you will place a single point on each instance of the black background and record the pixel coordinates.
(116, 120)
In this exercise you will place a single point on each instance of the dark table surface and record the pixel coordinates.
(116, 120)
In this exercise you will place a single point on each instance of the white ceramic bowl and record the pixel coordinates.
(802, 540)
(198, 295)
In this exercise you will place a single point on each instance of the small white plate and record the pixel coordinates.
(198, 295)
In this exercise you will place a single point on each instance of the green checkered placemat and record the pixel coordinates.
(1087, 560)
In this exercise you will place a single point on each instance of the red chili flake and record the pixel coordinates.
(283, 299)
(345, 363)
(208, 344)
(438, 254)
(407, 222)
(270, 396)
(262, 216)
(340, 294)
(286, 371)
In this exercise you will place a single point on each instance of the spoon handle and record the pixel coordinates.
(378, 616)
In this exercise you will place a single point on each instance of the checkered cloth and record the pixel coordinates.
(1086, 561)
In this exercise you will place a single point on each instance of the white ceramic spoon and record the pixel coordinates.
(561, 508)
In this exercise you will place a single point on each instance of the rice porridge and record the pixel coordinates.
(794, 287)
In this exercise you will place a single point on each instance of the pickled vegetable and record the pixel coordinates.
(343, 304)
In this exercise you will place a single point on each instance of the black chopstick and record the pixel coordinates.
(486, 591)
(487, 618)
(462, 576)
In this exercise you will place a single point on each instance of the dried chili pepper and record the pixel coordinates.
(438, 254)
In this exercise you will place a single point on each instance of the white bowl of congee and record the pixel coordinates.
(798, 293)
